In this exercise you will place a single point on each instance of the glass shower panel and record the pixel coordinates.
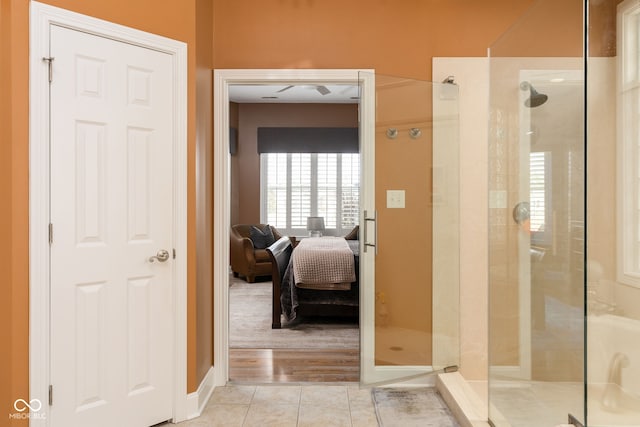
(536, 219)
(416, 289)
(613, 287)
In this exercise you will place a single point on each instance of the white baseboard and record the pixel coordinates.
(197, 400)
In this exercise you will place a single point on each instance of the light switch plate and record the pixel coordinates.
(395, 199)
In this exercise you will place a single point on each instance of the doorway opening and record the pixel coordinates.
(294, 158)
(294, 88)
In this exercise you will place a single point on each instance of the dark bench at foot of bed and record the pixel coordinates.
(310, 302)
(280, 254)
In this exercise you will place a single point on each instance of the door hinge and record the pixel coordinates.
(50, 395)
(174, 253)
(50, 233)
(49, 61)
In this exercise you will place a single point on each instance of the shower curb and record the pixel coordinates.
(464, 403)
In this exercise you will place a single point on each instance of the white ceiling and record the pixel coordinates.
(299, 93)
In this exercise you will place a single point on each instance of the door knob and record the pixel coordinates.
(161, 256)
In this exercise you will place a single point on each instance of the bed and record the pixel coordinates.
(301, 300)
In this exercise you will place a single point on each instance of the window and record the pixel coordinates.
(628, 144)
(298, 185)
(537, 190)
(540, 197)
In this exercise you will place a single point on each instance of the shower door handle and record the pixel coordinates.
(375, 230)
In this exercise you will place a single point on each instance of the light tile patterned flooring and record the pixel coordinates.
(346, 405)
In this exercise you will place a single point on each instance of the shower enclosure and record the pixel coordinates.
(564, 257)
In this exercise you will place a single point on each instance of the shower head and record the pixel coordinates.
(535, 99)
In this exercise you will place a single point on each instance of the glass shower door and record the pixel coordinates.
(536, 220)
(613, 282)
(409, 241)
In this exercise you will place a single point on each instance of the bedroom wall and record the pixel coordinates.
(245, 165)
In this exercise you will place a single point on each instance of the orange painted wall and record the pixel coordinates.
(6, 314)
(549, 28)
(204, 188)
(554, 28)
(404, 267)
(397, 37)
(602, 27)
(14, 276)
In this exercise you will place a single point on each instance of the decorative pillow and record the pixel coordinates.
(261, 238)
(353, 234)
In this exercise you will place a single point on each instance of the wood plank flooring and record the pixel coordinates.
(293, 365)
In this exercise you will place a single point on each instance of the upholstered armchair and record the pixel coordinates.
(249, 259)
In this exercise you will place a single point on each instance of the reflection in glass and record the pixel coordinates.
(536, 242)
(613, 221)
(417, 194)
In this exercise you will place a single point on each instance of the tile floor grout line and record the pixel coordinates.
(349, 403)
(253, 395)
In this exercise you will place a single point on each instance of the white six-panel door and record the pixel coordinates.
(111, 210)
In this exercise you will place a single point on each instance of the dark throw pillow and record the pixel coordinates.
(353, 234)
(261, 238)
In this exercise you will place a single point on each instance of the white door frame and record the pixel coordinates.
(222, 204)
(41, 18)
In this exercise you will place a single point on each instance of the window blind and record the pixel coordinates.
(537, 192)
(298, 185)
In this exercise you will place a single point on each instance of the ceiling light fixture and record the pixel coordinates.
(323, 90)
